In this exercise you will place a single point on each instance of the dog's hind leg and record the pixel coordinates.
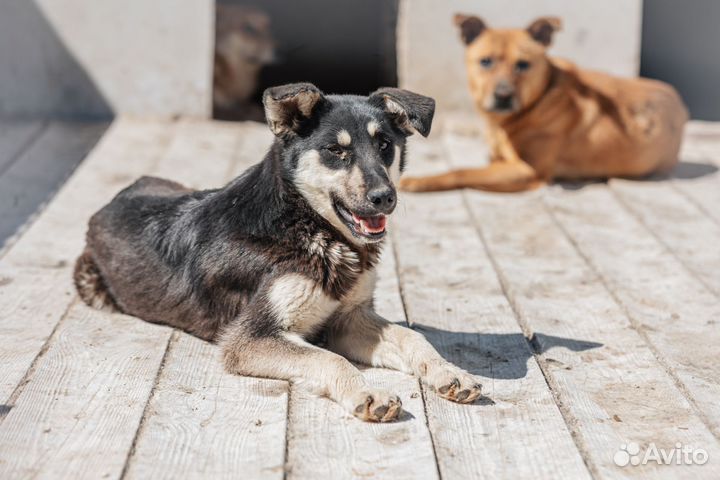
(497, 177)
(364, 336)
(287, 356)
(90, 284)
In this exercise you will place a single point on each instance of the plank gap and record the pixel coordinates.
(27, 377)
(660, 240)
(571, 421)
(636, 325)
(172, 339)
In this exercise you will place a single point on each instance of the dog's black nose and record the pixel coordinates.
(383, 198)
(503, 102)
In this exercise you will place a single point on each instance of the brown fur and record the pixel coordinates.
(90, 284)
(243, 45)
(566, 123)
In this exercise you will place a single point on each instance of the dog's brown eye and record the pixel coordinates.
(486, 62)
(384, 144)
(522, 65)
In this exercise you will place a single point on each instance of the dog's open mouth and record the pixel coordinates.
(371, 227)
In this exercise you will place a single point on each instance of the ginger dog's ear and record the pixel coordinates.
(470, 27)
(288, 106)
(409, 111)
(542, 29)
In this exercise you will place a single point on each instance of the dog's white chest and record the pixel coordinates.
(300, 304)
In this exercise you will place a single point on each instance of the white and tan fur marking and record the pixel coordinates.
(313, 180)
(372, 127)
(394, 169)
(344, 138)
(300, 303)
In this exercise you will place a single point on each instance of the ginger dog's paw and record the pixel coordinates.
(378, 406)
(410, 184)
(456, 385)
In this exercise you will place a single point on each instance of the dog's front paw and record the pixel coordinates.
(377, 406)
(411, 184)
(454, 384)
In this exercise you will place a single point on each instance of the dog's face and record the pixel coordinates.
(243, 35)
(345, 153)
(507, 69)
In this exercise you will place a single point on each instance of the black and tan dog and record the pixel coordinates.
(284, 253)
(547, 118)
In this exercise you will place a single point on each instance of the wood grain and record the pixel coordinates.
(603, 374)
(697, 176)
(36, 286)
(77, 416)
(204, 423)
(674, 312)
(683, 229)
(452, 295)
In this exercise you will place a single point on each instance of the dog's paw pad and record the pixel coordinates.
(456, 385)
(379, 407)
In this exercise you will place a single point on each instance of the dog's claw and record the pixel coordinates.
(458, 386)
(379, 407)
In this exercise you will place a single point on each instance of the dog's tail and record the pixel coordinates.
(90, 284)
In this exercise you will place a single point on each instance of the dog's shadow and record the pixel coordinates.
(684, 170)
(496, 355)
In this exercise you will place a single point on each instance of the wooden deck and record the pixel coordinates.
(590, 311)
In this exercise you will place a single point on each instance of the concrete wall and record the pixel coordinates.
(603, 35)
(95, 58)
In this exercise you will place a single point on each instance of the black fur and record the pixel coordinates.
(199, 260)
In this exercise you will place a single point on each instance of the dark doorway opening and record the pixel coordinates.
(679, 45)
(341, 46)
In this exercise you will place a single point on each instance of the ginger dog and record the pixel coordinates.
(548, 119)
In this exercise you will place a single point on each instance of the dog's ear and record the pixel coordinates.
(288, 106)
(410, 111)
(470, 27)
(542, 29)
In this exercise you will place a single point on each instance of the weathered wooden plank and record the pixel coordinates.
(36, 286)
(77, 415)
(202, 155)
(16, 136)
(452, 295)
(678, 224)
(40, 170)
(201, 421)
(204, 423)
(669, 307)
(184, 157)
(616, 392)
(254, 144)
(326, 442)
(697, 176)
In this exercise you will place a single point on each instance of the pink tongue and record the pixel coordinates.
(371, 224)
